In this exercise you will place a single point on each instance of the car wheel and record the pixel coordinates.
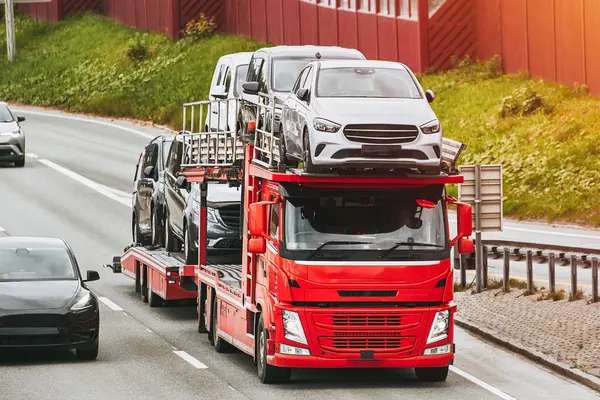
(283, 157)
(221, 346)
(308, 165)
(437, 374)
(267, 373)
(21, 162)
(191, 254)
(88, 354)
(170, 240)
(157, 232)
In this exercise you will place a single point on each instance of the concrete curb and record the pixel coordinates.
(563, 369)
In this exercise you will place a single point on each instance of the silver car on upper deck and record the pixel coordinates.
(360, 114)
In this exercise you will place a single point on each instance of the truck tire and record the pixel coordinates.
(437, 374)
(202, 290)
(154, 300)
(221, 345)
(267, 373)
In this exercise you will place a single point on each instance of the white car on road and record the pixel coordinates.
(360, 114)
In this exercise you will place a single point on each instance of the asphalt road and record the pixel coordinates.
(76, 185)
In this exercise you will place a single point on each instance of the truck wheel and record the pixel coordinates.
(221, 346)
(437, 374)
(144, 291)
(267, 373)
(202, 328)
(191, 255)
(154, 300)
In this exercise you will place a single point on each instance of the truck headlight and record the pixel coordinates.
(431, 127)
(439, 328)
(83, 303)
(292, 327)
(324, 125)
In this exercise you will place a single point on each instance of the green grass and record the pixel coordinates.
(546, 138)
(82, 65)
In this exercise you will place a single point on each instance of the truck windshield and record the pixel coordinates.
(366, 82)
(384, 225)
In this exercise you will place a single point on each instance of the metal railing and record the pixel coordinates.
(267, 137)
(575, 258)
(209, 137)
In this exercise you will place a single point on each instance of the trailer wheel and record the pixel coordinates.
(221, 346)
(437, 374)
(154, 300)
(144, 284)
(267, 373)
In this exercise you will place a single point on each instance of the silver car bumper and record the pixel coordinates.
(335, 149)
(9, 152)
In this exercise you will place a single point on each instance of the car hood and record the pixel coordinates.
(382, 111)
(219, 193)
(37, 295)
(7, 127)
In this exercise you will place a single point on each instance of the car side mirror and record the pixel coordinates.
(20, 119)
(149, 171)
(92, 276)
(303, 94)
(181, 182)
(250, 87)
(257, 246)
(429, 95)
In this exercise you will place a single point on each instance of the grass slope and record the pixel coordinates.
(546, 136)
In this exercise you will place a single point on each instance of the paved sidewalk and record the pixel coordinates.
(563, 333)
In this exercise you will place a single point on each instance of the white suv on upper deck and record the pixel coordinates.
(360, 114)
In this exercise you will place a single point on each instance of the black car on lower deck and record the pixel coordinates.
(44, 301)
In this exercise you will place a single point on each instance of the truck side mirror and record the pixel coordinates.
(429, 95)
(250, 87)
(257, 246)
(464, 219)
(466, 246)
(257, 219)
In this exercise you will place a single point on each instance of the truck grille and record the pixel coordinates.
(381, 342)
(230, 215)
(381, 133)
(368, 320)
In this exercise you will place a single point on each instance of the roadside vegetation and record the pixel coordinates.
(545, 135)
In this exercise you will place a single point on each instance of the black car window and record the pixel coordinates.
(175, 157)
(33, 264)
(138, 167)
(274, 220)
(5, 114)
(227, 82)
(166, 146)
(308, 79)
(151, 159)
(298, 83)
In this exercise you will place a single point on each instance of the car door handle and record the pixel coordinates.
(215, 112)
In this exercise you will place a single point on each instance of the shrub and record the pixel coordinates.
(200, 28)
(137, 51)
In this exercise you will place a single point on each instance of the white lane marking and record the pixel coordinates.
(32, 155)
(481, 383)
(110, 304)
(148, 330)
(195, 363)
(2, 229)
(112, 125)
(88, 182)
(549, 231)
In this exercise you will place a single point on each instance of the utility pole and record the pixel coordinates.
(11, 45)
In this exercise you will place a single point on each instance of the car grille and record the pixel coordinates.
(230, 215)
(400, 154)
(228, 244)
(381, 133)
(34, 321)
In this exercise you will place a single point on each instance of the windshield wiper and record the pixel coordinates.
(318, 249)
(410, 243)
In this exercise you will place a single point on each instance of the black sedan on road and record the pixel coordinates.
(44, 301)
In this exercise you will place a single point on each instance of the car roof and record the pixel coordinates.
(360, 64)
(239, 58)
(32, 242)
(309, 50)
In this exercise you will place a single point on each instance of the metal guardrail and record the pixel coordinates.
(572, 256)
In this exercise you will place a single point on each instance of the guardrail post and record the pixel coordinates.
(463, 271)
(485, 267)
(506, 271)
(478, 243)
(552, 272)
(573, 276)
(595, 298)
(530, 271)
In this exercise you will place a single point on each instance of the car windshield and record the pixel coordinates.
(375, 222)
(5, 114)
(366, 82)
(240, 77)
(35, 264)
(286, 71)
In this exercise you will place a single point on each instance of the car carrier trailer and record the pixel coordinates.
(313, 286)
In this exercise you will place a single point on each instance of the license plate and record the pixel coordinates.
(369, 151)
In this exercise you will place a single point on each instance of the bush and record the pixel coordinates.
(137, 51)
(200, 28)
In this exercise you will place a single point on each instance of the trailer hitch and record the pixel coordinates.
(115, 266)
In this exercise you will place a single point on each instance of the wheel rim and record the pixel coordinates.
(261, 350)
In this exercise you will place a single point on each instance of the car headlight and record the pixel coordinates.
(439, 328)
(83, 303)
(292, 327)
(431, 127)
(324, 125)
(16, 132)
(211, 216)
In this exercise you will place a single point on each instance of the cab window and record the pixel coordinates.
(274, 221)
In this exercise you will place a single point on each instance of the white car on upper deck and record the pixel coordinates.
(360, 114)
